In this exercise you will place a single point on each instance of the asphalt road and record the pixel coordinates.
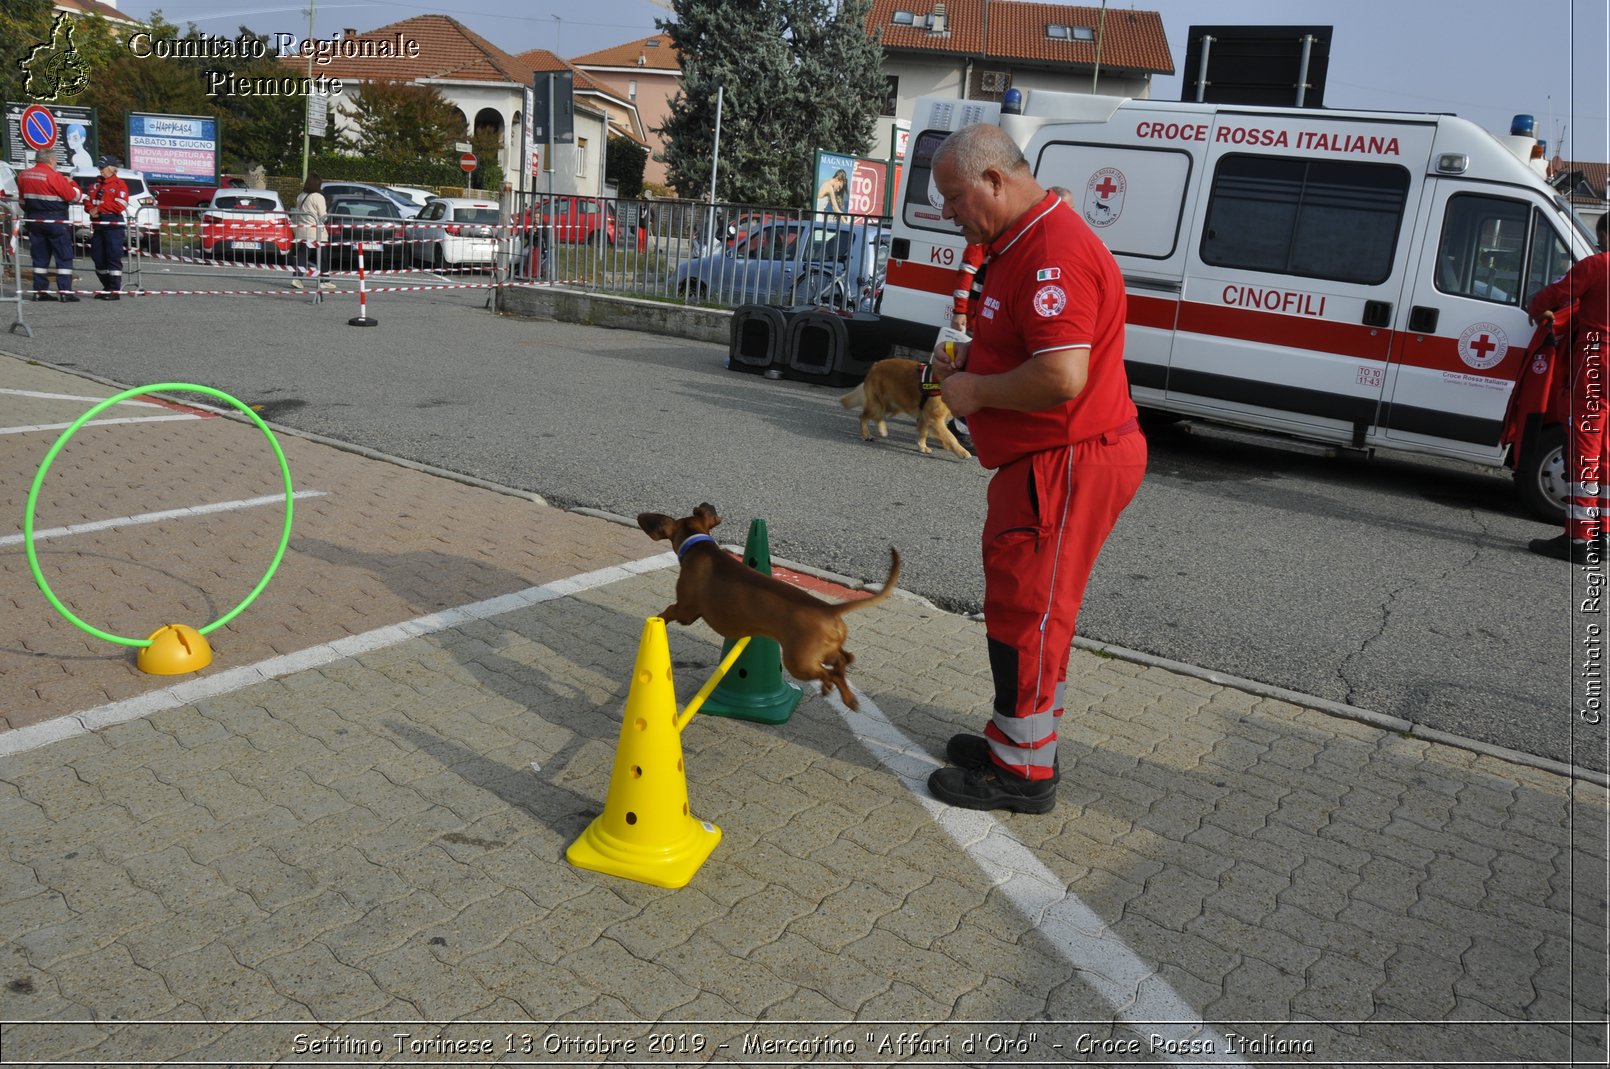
(1396, 585)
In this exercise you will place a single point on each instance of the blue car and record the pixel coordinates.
(793, 262)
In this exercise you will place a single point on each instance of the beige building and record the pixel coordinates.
(647, 73)
(487, 85)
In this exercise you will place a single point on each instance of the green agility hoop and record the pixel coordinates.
(39, 480)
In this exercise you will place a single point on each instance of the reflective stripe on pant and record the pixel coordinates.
(1049, 514)
(47, 240)
(1587, 443)
(106, 246)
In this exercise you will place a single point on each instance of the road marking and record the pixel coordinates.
(211, 686)
(35, 428)
(1103, 961)
(42, 396)
(159, 517)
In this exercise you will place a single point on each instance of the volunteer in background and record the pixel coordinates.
(108, 200)
(46, 195)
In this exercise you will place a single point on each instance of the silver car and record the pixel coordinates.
(454, 232)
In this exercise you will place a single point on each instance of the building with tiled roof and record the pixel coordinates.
(648, 73)
(108, 11)
(1586, 185)
(486, 84)
(978, 49)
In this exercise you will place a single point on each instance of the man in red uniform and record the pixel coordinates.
(46, 194)
(1045, 394)
(108, 200)
(1587, 439)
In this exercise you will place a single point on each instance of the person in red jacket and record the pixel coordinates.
(1043, 388)
(46, 195)
(108, 200)
(1587, 439)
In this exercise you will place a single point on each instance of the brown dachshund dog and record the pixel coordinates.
(735, 600)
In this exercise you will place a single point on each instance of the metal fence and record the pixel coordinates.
(691, 252)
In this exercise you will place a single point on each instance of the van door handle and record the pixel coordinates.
(1377, 313)
(1422, 320)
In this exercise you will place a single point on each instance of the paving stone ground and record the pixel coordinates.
(344, 842)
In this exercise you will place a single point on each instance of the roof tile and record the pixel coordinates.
(1131, 40)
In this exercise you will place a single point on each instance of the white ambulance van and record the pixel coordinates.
(1355, 278)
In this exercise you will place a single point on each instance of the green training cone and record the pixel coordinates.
(754, 688)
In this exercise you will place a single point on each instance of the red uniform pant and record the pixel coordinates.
(1587, 442)
(1049, 514)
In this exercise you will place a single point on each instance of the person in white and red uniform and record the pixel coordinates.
(108, 200)
(46, 194)
(1043, 389)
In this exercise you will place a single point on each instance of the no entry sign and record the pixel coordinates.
(467, 162)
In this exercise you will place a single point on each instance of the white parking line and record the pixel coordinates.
(211, 686)
(1103, 961)
(42, 396)
(159, 517)
(37, 427)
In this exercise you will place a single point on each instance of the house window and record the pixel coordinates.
(1060, 31)
(581, 157)
(904, 18)
(631, 89)
(891, 94)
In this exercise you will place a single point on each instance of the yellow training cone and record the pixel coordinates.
(645, 832)
(175, 649)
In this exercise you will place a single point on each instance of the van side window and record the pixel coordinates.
(1482, 245)
(1550, 258)
(1316, 218)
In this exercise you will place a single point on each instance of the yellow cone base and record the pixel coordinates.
(175, 650)
(646, 832)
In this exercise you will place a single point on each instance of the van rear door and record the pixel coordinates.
(1303, 246)
(1463, 334)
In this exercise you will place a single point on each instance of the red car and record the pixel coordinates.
(246, 221)
(576, 220)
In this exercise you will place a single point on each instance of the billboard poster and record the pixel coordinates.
(850, 185)
(77, 141)
(174, 148)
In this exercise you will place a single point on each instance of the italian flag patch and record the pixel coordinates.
(1048, 274)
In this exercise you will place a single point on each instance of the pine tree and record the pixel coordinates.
(795, 76)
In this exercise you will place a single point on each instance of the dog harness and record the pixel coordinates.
(695, 540)
(927, 385)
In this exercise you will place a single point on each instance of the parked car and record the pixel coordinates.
(793, 262)
(404, 204)
(452, 231)
(414, 195)
(372, 225)
(574, 220)
(142, 217)
(246, 220)
(191, 195)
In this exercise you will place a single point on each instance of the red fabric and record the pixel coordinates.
(45, 192)
(1586, 285)
(1049, 514)
(1051, 285)
(1540, 390)
(962, 296)
(108, 196)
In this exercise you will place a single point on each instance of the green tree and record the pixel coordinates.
(623, 164)
(394, 123)
(796, 73)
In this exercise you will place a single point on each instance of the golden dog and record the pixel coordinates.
(895, 387)
(735, 600)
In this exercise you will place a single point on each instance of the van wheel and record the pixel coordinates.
(1540, 476)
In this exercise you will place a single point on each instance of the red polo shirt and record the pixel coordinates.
(1049, 284)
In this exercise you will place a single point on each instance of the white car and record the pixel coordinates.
(143, 217)
(414, 195)
(343, 188)
(455, 231)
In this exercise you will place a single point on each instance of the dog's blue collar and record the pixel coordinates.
(695, 540)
